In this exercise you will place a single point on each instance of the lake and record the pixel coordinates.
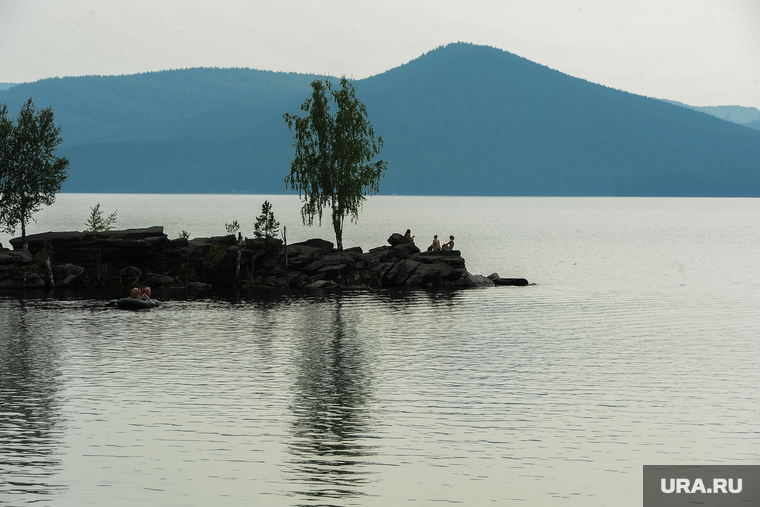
(636, 344)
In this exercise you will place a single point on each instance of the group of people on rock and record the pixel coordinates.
(436, 244)
(140, 291)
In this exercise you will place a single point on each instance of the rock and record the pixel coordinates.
(177, 242)
(380, 253)
(32, 281)
(519, 282)
(157, 240)
(399, 273)
(449, 257)
(72, 238)
(198, 285)
(156, 280)
(132, 273)
(67, 274)
(37, 241)
(476, 281)
(321, 284)
(432, 271)
(324, 246)
(399, 239)
(16, 257)
(334, 271)
(330, 260)
(405, 250)
(146, 232)
(229, 239)
(273, 244)
(301, 255)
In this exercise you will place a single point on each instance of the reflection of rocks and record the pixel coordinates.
(31, 426)
(120, 258)
(331, 418)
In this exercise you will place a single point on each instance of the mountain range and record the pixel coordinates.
(459, 120)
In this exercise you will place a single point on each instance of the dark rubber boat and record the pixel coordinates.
(136, 304)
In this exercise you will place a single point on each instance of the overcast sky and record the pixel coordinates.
(701, 52)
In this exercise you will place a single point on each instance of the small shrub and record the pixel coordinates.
(266, 226)
(232, 228)
(183, 234)
(96, 223)
(47, 250)
(214, 256)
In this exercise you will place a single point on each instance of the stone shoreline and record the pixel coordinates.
(120, 258)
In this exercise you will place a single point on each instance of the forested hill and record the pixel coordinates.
(459, 120)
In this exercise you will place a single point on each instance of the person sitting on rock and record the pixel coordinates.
(435, 245)
(145, 291)
(450, 244)
(409, 236)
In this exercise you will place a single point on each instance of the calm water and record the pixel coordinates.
(638, 344)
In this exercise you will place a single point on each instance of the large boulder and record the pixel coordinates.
(518, 282)
(433, 271)
(324, 246)
(330, 260)
(37, 241)
(74, 238)
(300, 255)
(404, 250)
(452, 258)
(157, 280)
(398, 239)
(399, 273)
(16, 257)
(68, 274)
(475, 281)
(24, 281)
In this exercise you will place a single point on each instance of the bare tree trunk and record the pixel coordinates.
(285, 241)
(337, 225)
(51, 282)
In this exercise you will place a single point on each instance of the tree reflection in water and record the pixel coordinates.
(332, 418)
(30, 427)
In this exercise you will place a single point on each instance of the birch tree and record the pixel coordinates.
(335, 145)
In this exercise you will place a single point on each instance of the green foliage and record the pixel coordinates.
(232, 228)
(187, 271)
(214, 256)
(96, 223)
(183, 234)
(333, 154)
(47, 250)
(30, 174)
(266, 226)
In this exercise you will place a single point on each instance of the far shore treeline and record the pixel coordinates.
(459, 120)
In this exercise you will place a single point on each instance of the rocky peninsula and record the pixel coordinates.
(121, 258)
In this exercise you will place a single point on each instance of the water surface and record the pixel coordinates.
(636, 345)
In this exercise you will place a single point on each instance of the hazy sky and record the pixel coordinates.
(702, 52)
